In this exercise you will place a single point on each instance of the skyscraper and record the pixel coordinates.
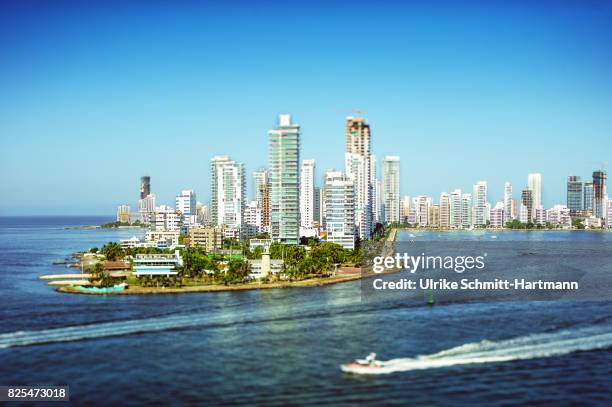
(339, 198)
(228, 189)
(507, 202)
(186, 205)
(307, 204)
(284, 157)
(599, 193)
(145, 186)
(375, 191)
(391, 188)
(455, 208)
(466, 210)
(574, 194)
(527, 209)
(357, 162)
(589, 197)
(534, 183)
(260, 177)
(405, 211)
(445, 210)
(480, 203)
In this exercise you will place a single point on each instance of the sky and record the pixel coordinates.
(94, 95)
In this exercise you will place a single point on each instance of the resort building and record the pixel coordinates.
(157, 264)
(284, 160)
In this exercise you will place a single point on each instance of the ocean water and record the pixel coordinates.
(284, 347)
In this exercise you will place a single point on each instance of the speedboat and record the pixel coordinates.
(367, 365)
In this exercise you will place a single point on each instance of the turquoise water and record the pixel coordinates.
(284, 347)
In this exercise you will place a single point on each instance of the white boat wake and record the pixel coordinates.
(524, 347)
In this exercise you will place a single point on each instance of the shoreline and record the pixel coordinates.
(386, 247)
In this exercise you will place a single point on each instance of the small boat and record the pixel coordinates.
(361, 366)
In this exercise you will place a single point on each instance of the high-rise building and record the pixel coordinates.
(307, 194)
(358, 165)
(264, 195)
(434, 216)
(507, 203)
(146, 207)
(445, 210)
(124, 214)
(559, 215)
(228, 189)
(589, 197)
(423, 203)
(145, 186)
(165, 218)
(391, 189)
(375, 182)
(339, 197)
(284, 167)
(480, 203)
(527, 212)
(609, 213)
(466, 210)
(260, 177)
(253, 219)
(316, 202)
(574, 194)
(186, 206)
(599, 193)
(534, 183)
(405, 209)
(456, 208)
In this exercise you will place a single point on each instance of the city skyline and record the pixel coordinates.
(92, 101)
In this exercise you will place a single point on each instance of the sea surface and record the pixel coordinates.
(284, 346)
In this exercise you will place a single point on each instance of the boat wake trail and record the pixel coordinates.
(107, 329)
(524, 347)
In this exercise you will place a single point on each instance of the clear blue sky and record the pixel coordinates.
(92, 97)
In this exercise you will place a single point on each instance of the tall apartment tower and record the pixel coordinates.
(455, 208)
(339, 205)
(358, 167)
(507, 202)
(589, 196)
(574, 194)
(391, 188)
(599, 193)
(284, 167)
(307, 204)
(445, 210)
(186, 205)
(480, 203)
(145, 186)
(527, 208)
(260, 177)
(534, 183)
(228, 189)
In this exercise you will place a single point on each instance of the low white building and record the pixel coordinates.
(163, 238)
(496, 216)
(559, 215)
(157, 264)
(540, 215)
